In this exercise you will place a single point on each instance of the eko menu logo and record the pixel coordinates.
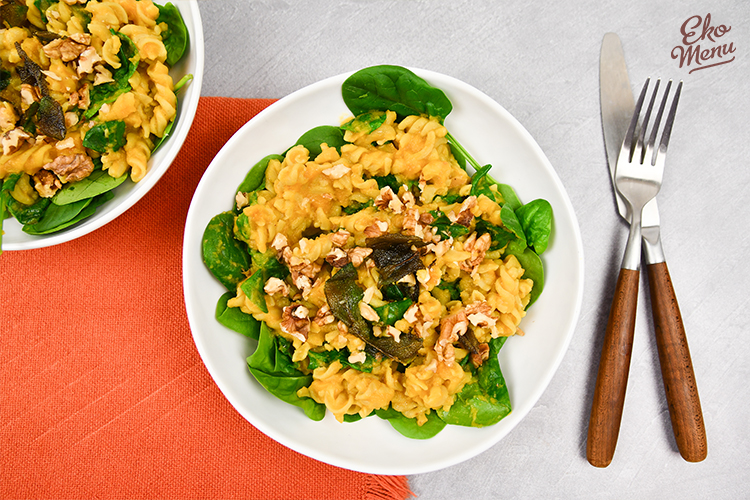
(714, 51)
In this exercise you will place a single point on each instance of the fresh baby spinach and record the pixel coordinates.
(409, 426)
(532, 265)
(325, 358)
(110, 91)
(384, 88)
(26, 214)
(333, 137)
(95, 184)
(484, 401)
(391, 312)
(105, 137)
(176, 37)
(256, 176)
(271, 365)
(58, 217)
(234, 319)
(366, 122)
(536, 219)
(224, 255)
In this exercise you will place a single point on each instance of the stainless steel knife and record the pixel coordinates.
(617, 105)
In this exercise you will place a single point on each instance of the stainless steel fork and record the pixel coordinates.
(638, 177)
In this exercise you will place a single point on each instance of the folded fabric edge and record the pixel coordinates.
(387, 487)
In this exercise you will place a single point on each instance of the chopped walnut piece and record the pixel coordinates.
(441, 247)
(410, 316)
(80, 98)
(337, 171)
(66, 49)
(241, 200)
(408, 199)
(324, 316)
(86, 61)
(13, 139)
(368, 312)
(71, 168)
(71, 119)
(426, 219)
(29, 94)
(357, 357)
(294, 321)
(46, 183)
(103, 75)
(377, 228)
(279, 242)
(478, 248)
(464, 215)
(358, 255)
(340, 237)
(478, 314)
(394, 332)
(337, 257)
(82, 38)
(388, 199)
(450, 328)
(276, 285)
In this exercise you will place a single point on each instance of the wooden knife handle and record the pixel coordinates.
(612, 377)
(676, 366)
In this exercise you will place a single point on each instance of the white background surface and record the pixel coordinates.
(541, 62)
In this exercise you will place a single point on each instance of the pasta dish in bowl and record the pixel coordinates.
(377, 270)
(96, 98)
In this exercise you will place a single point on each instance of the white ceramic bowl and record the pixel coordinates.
(371, 445)
(128, 193)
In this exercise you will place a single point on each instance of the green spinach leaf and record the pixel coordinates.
(25, 214)
(176, 38)
(105, 137)
(499, 236)
(333, 137)
(59, 217)
(393, 311)
(234, 319)
(225, 256)
(271, 365)
(485, 400)
(445, 228)
(95, 184)
(394, 88)
(532, 265)
(256, 176)
(325, 358)
(511, 222)
(536, 219)
(366, 122)
(408, 426)
(109, 92)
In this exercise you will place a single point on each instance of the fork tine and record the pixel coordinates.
(641, 145)
(670, 122)
(650, 153)
(627, 143)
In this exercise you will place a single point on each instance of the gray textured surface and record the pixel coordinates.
(540, 61)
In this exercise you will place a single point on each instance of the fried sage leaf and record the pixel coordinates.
(343, 294)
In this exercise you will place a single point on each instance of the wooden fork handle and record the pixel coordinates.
(612, 377)
(676, 366)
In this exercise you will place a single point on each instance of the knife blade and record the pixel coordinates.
(617, 105)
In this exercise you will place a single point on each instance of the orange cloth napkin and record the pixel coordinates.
(102, 392)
